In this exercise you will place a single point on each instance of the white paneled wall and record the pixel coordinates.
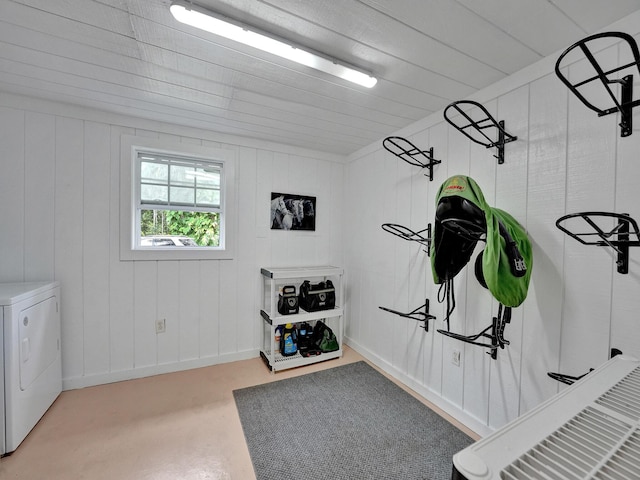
(60, 217)
(59, 210)
(566, 160)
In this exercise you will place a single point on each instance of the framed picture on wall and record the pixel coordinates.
(292, 212)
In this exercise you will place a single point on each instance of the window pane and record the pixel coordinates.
(182, 176)
(208, 198)
(172, 228)
(168, 188)
(182, 196)
(154, 194)
(207, 178)
(152, 172)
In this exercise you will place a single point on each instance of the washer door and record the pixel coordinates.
(39, 341)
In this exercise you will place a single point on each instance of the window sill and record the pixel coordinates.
(178, 253)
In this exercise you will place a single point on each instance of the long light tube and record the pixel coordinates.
(200, 18)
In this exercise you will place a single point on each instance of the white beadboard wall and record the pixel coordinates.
(59, 211)
(566, 160)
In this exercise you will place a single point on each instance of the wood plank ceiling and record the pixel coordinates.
(132, 57)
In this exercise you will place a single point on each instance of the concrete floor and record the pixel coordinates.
(178, 426)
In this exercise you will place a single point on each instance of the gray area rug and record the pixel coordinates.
(347, 422)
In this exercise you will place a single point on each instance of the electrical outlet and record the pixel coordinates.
(161, 325)
(455, 358)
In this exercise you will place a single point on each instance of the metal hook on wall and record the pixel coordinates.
(476, 130)
(607, 78)
(407, 234)
(496, 336)
(416, 314)
(407, 151)
(617, 238)
(570, 380)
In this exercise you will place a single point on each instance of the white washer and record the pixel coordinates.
(32, 365)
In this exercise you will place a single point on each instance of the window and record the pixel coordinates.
(179, 205)
(178, 197)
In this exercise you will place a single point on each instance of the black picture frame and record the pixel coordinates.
(291, 211)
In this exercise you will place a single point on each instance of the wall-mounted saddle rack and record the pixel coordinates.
(567, 379)
(407, 151)
(421, 314)
(494, 332)
(625, 103)
(570, 380)
(407, 234)
(618, 237)
(476, 130)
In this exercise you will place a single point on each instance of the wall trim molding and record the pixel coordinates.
(74, 383)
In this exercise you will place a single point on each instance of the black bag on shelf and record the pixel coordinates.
(324, 339)
(306, 345)
(288, 301)
(317, 296)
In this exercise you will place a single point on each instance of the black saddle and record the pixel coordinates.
(462, 226)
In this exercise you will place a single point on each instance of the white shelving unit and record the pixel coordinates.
(273, 279)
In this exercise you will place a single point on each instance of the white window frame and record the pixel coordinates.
(130, 248)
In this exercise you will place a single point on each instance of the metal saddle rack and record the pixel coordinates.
(417, 314)
(494, 332)
(476, 130)
(570, 380)
(567, 379)
(607, 78)
(407, 151)
(407, 234)
(618, 237)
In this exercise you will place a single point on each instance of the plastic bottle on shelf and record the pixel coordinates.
(289, 341)
(277, 337)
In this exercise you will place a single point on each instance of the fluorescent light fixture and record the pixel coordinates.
(198, 17)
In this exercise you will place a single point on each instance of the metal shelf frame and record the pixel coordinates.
(272, 280)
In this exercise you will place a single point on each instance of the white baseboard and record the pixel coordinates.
(73, 383)
(449, 408)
